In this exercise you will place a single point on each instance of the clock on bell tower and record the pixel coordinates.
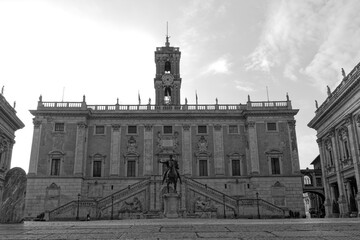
(167, 81)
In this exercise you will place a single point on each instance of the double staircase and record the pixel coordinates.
(104, 207)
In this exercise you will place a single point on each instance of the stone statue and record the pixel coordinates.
(171, 174)
(343, 72)
(328, 90)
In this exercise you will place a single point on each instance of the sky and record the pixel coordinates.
(230, 49)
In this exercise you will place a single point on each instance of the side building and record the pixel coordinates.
(337, 122)
(9, 123)
(104, 160)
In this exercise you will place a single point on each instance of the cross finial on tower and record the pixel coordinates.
(167, 44)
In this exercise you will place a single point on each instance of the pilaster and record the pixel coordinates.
(253, 147)
(35, 148)
(80, 148)
(293, 147)
(338, 169)
(115, 150)
(327, 203)
(186, 150)
(219, 160)
(148, 150)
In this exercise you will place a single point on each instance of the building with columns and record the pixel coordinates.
(9, 123)
(337, 122)
(236, 160)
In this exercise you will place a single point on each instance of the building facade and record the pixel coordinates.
(9, 123)
(337, 122)
(104, 160)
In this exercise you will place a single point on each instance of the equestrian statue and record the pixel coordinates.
(171, 175)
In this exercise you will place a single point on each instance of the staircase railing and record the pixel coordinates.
(122, 193)
(230, 201)
(233, 202)
(101, 203)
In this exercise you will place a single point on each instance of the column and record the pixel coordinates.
(219, 160)
(253, 147)
(186, 150)
(327, 203)
(148, 150)
(35, 148)
(342, 201)
(354, 155)
(115, 150)
(80, 148)
(9, 154)
(295, 166)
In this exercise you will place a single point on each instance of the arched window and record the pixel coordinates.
(307, 180)
(167, 66)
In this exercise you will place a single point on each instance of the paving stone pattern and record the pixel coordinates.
(299, 229)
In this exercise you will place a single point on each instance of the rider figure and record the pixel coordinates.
(169, 164)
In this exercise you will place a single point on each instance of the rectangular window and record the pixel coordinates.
(168, 130)
(97, 169)
(203, 169)
(100, 130)
(233, 129)
(318, 182)
(275, 166)
(271, 126)
(131, 165)
(132, 130)
(202, 129)
(55, 167)
(59, 127)
(235, 165)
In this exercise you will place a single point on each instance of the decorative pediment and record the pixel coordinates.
(56, 153)
(274, 152)
(53, 186)
(277, 184)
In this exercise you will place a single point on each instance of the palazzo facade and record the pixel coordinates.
(104, 160)
(9, 123)
(337, 122)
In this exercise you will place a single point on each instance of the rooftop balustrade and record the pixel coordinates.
(186, 107)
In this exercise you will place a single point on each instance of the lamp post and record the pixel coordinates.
(346, 195)
(224, 206)
(112, 207)
(257, 204)
(78, 206)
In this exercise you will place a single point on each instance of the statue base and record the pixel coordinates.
(171, 205)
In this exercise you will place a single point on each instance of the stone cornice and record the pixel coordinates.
(344, 92)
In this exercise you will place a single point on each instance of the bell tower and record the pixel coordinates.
(167, 81)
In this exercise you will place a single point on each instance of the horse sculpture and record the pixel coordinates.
(171, 175)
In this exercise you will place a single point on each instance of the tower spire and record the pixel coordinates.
(167, 43)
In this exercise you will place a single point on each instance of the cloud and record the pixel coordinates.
(220, 66)
(315, 38)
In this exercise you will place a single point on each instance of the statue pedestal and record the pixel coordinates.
(171, 205)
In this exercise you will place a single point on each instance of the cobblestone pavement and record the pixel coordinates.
(298, 229)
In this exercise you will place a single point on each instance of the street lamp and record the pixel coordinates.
(78, 206)
(112, 207)
(346, 195)
(257, 204)
(224, 206)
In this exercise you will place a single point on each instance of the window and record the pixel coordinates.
(233, 129)
(235, 165)
(203, 169)
(271, 126)
(275, 166)
(131, 167)
(59, 127)
(168, 130)
(96, 168)
(318, 182)
(307, 180)
(202, 129)
(132, 130)
(347, 154)
(55, 167)
(99, 130)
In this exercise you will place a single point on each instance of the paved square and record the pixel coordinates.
(187, 229)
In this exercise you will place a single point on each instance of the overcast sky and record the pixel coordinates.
(230, 49)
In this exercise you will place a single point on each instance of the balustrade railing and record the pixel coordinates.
(186, 107)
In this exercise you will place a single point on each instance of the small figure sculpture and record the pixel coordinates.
(171, 174)
(316, 104)
(328, 90)
(343, 72)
